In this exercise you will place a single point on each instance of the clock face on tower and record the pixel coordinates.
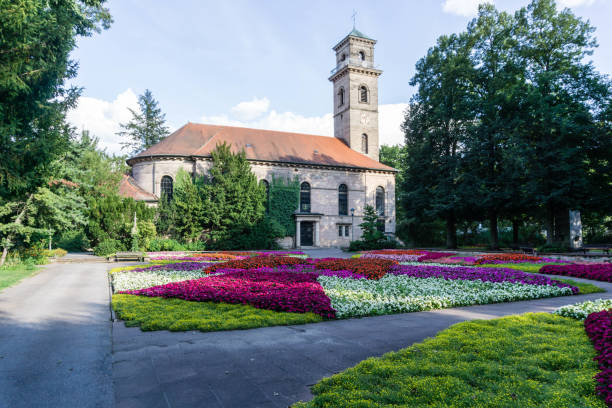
(365, 119)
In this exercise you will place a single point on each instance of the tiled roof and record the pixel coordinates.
(128, 188)
(262, 145)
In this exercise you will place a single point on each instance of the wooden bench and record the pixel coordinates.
(129, 256)
(601, 247)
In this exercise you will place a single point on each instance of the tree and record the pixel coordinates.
(37, 38)
(147, 126)
(233, 199)
(184, 216)
(564, 130)
(489, 149)
(370, 235)
(436, 126)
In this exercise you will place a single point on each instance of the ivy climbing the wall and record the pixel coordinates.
(283, 202)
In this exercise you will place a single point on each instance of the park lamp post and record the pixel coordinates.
(352, 224)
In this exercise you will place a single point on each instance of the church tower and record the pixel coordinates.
(355, 80)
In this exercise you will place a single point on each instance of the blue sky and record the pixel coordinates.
(265, 63)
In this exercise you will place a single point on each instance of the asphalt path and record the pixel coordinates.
(55, 339)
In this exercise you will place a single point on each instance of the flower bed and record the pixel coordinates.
(373, 268)
(401, 293)
(258, 262)
(582, 310)
(280, 291)
(598, 327)
(473, 273)
(599, 272)
(132, 280)
(400, 255)
(175, 266)
(511, 258)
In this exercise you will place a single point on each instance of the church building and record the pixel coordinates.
(338, 175)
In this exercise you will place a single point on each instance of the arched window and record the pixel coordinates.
(341, 97)
(364, 143)
(343, 57)
(167, 188)
(380, 201)
(363, 94)
(305, 197)
(267, 187)
(343, 199)
(362, 55)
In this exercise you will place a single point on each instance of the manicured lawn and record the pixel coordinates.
(585, 288)
(11, 275)
(532, 360)
(151, 313)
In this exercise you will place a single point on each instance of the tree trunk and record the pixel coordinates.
(550, 224)
(451, 231)
(9, 238)
(515, 232)
(494, 236)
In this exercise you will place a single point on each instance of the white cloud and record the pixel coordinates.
(390, 119)
(252, 109)
(575, 3)
(467, 8)
(102, 118)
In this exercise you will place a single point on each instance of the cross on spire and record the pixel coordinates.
(354, 15)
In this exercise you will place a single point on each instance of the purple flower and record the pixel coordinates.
(475, 273)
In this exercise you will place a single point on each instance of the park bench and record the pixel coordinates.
(525, 248)
(129, 256)
(601, 247)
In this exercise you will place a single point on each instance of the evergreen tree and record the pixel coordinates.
(233, 199)
(370, 234)
(147, 126)
(37, 38)
(184, 216)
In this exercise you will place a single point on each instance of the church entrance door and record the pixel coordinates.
(306, 233)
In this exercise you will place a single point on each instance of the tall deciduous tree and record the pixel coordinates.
(147, 126)
(564, 105)
(436, 126)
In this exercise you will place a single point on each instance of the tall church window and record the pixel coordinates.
(362, 55)
(341, 97)
(363, 94)
(267, 187)
(167, 188)
(343, 199)
(380, 201)
(305, 197)
(364, 143)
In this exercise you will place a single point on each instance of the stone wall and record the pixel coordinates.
(324, 183)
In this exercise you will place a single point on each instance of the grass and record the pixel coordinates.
(10, 275)
(531, 360)
(585, 288)
(179, 315)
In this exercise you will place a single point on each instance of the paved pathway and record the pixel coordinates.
(274, 367)
(55, 339)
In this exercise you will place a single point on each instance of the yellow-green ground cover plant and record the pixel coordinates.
(150, 313)
(531, 360)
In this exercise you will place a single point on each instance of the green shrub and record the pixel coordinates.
(196, 246)
(367, 246)
(74, 241)
(108, 246)
(35, 254)
(262, 235)
(164, 244)
(553, 249)
(56, 253)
